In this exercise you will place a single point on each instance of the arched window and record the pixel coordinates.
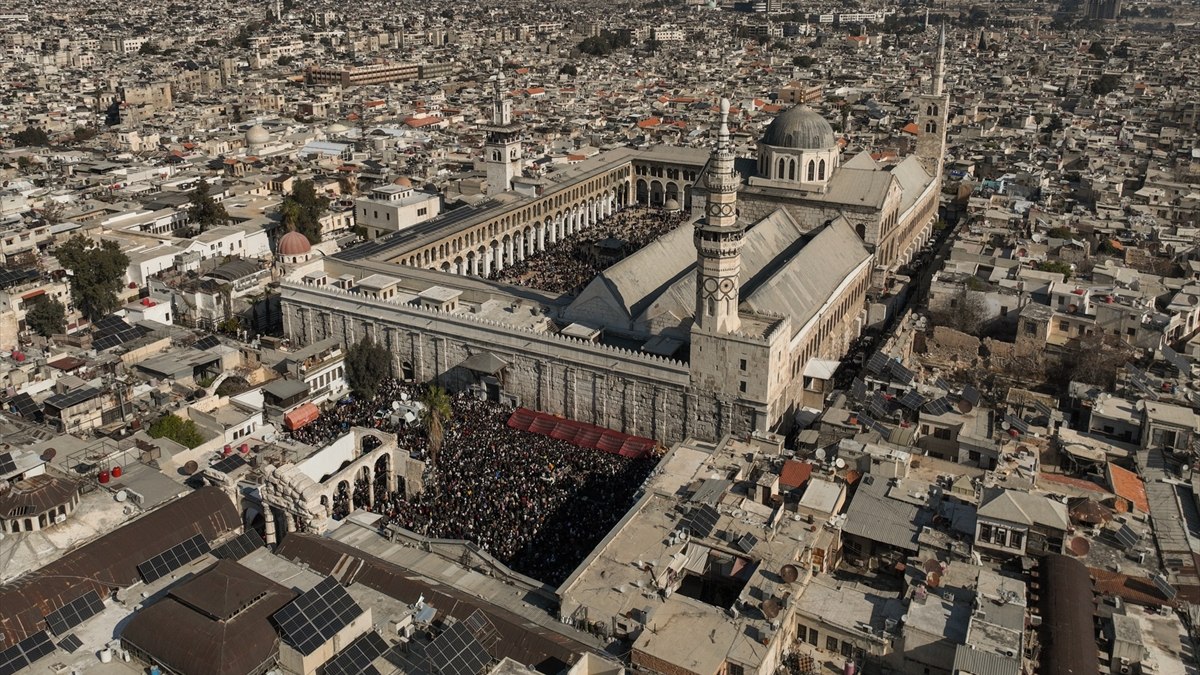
(930, 127)
(812, 170)
(821, 171)
(792, 170)
(779, 173)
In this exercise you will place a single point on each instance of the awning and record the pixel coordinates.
(485, 363)
(302, 415)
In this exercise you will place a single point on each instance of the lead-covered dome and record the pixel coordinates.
(257, 135)
(800, 128)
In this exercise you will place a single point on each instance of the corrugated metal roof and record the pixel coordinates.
(967, 659)
(875, 516)
(112, 559)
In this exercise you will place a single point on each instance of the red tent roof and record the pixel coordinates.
(580, 433)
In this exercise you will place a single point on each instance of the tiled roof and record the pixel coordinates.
(1127, 484)
(795, 473)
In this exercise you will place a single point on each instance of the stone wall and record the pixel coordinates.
(621, 389)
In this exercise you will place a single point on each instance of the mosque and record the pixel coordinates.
(728, 324)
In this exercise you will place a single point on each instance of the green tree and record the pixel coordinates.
(569, 69)
(1097, 50)
(149, 48)
(802, 61)
(435, 415)
(1105, 84)
(206, 212)
(302, 210)
(97, 271)
(1057, 266)
(285, 61)
(31, 136)
(174, 427)
(367, 364)
(84, 134)
(46, 317)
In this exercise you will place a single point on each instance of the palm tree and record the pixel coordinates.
(437, 411)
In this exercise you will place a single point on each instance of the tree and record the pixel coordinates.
(84, 134)
(1058, 266)
(205, 210)
(31, 136)
(569, 69)
(435, 415)
(1105, 84)
(302, 210)
(46, 317)
(1097, 50)
(285, 60)
(1094, 360)
(97, 271)
(367, 364)
(174, 427)
(802, 61)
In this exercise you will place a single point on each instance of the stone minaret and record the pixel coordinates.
(502, 150)
(718, 240)
(932, 114)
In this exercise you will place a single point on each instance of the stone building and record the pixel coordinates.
(682, 338)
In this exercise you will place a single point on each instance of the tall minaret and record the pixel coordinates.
(502, 149)
(718, 240)
(932, 114)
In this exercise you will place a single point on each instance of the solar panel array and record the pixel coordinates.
(899, 372)
(858, 389)
(1017, 423)
(880, 406)
(483, 629)
(357, 658)
(70, 643)
(71, 398)
(912, 400)
(1164, 586)
(701, 520)
(7, 465)
(878, 363)
(317, 615)
(25, 653)
(457, 652)
(206, 342)
(871, 424)
(241, 546)
(942, 384)
(173, 558)
(971, 394)
(939, 406)
(1043, 408)
(230, 463)
(25, 406)
(1127, 537)
(10, 277)
(74, 613)
(747, 542)
(112, 331)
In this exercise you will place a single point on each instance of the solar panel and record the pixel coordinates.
(70, 643)
(457, 652)
(358, 656)
(877, 363)
(942, 384)
(971, 394)
(880, 407)
(865, 420)
(1164, 586)
(25, 405)
(939, 406)
(173, 558)
(74, 613)
(912, 400)
(701, 520)
(317, 615)
(240, 546)
(482, 628)
(230, 463)
(858, 389)
(1043, 408)
(1017, 423)
(747, 542)
(25, 653)
(7, 465)
(1127, 537)
(206, 342)
(899, 372)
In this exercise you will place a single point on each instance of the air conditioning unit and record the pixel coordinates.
(60, 518)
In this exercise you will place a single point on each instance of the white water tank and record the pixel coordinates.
(106, 655)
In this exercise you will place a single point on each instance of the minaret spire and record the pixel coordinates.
(939, 63)
(718, 240)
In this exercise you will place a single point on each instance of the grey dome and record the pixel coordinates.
(800, 128)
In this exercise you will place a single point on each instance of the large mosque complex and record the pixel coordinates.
(729, 323)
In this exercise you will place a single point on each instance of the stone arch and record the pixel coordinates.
(341, 499)
(407, 372)
(780, 167)
(643, 191)
(382, 486)
(792, 170)
(812, 170)
(656, 193)
(930, 127)
(672, 191)
(821, 170)
(445, 267)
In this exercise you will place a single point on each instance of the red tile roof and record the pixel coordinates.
(1127, 484)
(795, 474)
(911, 128)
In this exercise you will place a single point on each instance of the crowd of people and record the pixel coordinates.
(567, 266)
(536, 504)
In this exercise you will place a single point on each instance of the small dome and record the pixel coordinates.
(294, 243)
(1006, 81)
(672, 204)
(800, 128)
(402, 182)
(257, 135)
(337, 128)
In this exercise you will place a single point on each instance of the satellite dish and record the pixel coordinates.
(839, 463)
(964, 406)
(770, 608)
(789, 573)
(1079, 547)
(49, 454)
(932, 565)
(933, 579)
(191, 467)
(1005, 425)
(820, 454)
(121, 495)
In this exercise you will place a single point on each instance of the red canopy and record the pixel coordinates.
(301, 416)
(580, 433)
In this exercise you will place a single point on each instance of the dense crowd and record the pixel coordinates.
(537, 504)
(566, 267)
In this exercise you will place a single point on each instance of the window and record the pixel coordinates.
(831, 644)
(943, 434)
(422, 211)
(734, 669)
(1016, 539)
(742, 386)
(812, 636)
(1131, 332)
(1063, 325)
(985, 532)
(1030, 328)
(742, 365)
(1000, 536)
(847, 649)
(821, 171)
(1003, 311)
(1164, 438)
(812, 170)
